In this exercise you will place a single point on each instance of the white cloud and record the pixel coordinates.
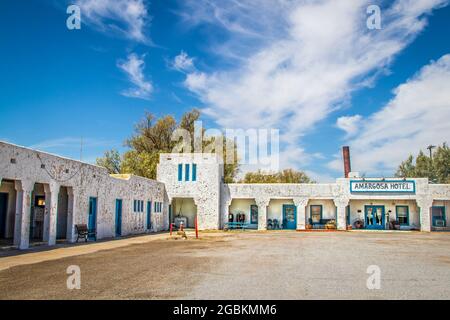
(125, 17)
(134, 68)
(350, 124)
(296, 61)
(183, 62)
(416, 117)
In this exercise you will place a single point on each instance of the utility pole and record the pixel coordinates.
(430, 148)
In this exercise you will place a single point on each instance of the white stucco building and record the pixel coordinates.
(43, 197)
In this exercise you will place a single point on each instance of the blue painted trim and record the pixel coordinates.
(285, 206)
(92, 215)
(376, 227)
(443, 215)
(407, 215)
(381, 191)
(149, 215)
(118, 217)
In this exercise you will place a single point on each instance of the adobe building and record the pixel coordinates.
(43, 197)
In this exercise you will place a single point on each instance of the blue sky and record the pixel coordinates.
(313, 70)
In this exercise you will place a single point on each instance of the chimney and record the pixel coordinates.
(346, 155)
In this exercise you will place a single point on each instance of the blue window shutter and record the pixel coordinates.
(194, 172)
(186, 174)
(180, 172)
(156, 206)
(134, 205)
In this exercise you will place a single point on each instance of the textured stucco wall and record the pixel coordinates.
(205, 190)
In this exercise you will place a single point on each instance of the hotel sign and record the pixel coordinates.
(386, 186)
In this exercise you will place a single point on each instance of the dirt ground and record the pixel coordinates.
(249, 265)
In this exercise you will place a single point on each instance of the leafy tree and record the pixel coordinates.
(154, 136)
(436, 169)
(111, 161)
(285, 176)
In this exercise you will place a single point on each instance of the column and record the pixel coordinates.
(341, 205)
(53, 212)
(301, 204)
(23, 213)
(262, 213)
(425, 205)
(71, 198)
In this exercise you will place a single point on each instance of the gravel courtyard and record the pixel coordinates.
(248, 265)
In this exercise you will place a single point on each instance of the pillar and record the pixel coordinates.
(301, 204)
(24, 190)
(53, 212)
(46, 227)
(341, 205)
(425, 205)
(262, 213)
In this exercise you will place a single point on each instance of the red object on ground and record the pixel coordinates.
(171, 226)
(196, 228)
(181, 226)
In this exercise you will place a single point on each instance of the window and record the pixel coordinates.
(402, 215)
(194, 172)
(186, 172)
(438, 216)
(180, 172)
(316, 213)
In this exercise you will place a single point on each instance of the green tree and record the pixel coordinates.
(285, 176)
(112, 161)
(154, 136)
(436, 169)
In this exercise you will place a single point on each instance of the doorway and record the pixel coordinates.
(289, 216)
(374, 217)
(92, 218)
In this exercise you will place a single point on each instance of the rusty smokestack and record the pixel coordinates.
(347, 165)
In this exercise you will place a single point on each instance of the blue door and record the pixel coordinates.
(374, 217)
(118, 217)
(289, 216)
(149, 215)
(92, 219)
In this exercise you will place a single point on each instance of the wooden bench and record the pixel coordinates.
(83, 232)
